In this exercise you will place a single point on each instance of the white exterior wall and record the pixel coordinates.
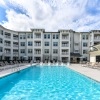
(76, 37)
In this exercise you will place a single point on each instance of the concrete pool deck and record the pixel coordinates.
(89, 72)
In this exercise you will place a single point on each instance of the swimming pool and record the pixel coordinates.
(48, 83)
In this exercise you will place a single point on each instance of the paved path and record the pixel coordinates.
(89, 72)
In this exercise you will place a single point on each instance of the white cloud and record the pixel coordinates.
(51, 15)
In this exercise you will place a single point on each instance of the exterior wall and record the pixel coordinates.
(72, 43)
(8, 47)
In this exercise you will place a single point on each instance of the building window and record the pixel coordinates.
(46, 43)
(55, 51)
(24, 36)
(83, 37)
(53, 36)
(28, 36)
(1, 49)
(29, 50)
(31, 35)
(1, 32)
(84, 51)
(86, 37)
(55, 43)
(22, 51)
(48, 36)
(20, 36)
(30, 43)
(1, 40)
(85, 44)
(44, 36)
(22, 44)
(57, 36)
(46, 50)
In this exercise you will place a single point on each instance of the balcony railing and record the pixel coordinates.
(6, 44)
(97, 38)
(65, 37)
(15, 53)
(64, 53)
(7, 53)
(15, 45)
(37, 44)
(37, 52)
(6, 36)
(15, 38)
(65, 45)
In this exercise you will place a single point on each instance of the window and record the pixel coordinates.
(22, 44)
(85, 44)
(1, 32)
(57, 36)
(31, 35)
(53, 36)
(1, 40)
(22, 51)
(55, 43)
(83, 37)
(55, 51)
(20, 36)
(1, 49)
(30, 43)
(28, 36)
(46, 43)
(24, 36)
(46, 50)
(84, 51)
(29, 50)
(48, 36)
(86, 37)
(44, 36)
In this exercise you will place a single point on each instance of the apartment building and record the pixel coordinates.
(37, 44)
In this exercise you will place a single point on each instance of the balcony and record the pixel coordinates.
(37, 52)
(15, 38)
(97, 38)
(7, 44)
(15, 45)
(7, 36)
(65, 45)
(15, 53)
(65, 53)
(37, 44)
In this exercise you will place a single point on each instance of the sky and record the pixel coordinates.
(51, 15)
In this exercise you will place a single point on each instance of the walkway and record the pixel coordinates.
(89, 72)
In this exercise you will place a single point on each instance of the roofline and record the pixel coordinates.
(47, 32)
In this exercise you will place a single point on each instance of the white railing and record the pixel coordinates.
(65, 53)
(6, 36)
(6, 44)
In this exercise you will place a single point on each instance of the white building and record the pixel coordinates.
(64, 45)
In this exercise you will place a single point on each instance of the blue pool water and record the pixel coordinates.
(48, 83)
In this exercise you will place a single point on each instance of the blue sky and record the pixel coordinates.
(79, 15)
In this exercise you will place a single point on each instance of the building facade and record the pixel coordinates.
(64, 45)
